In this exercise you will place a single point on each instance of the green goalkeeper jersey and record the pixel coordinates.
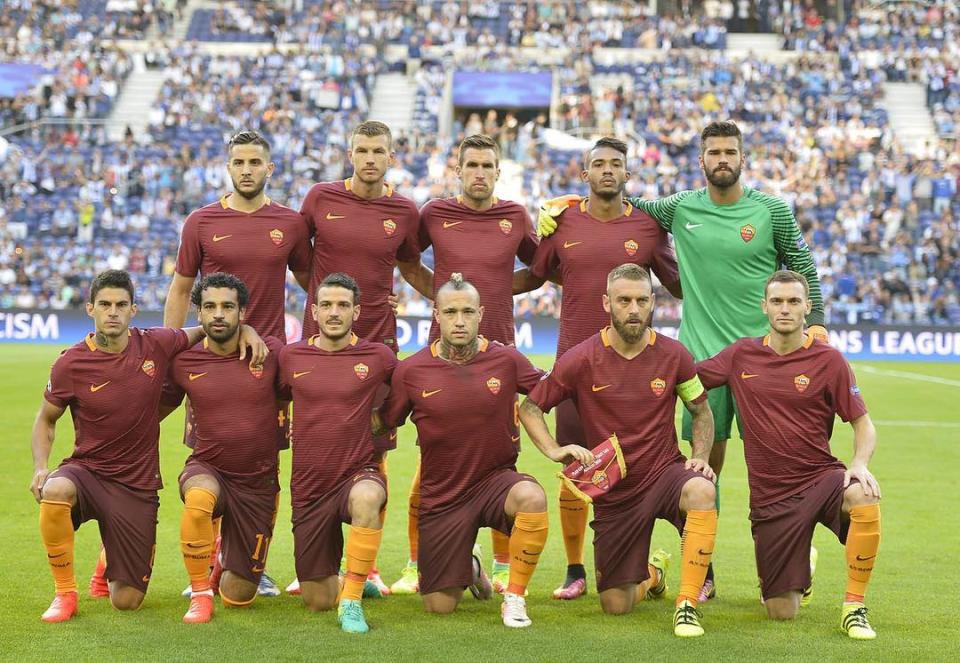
(726, 253)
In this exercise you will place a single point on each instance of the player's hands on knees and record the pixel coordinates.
(860, 472)
(249, 339)
(701, 466)
(571, 452)
(39, 478)
(546, 221)
(819, 332)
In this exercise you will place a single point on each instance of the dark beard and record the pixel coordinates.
(250, 195)
(626, 333)
(724, 179)
(221, 337)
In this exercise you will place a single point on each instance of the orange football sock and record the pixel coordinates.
(362, 546)
(501, 546)
(197, 536)
(699, 535)
(526, 543)
(573, 524)
(863, 542)
(413, 517)
(56, 530)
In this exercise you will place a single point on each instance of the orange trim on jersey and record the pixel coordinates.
(484, 344)
(435, 346)
(808, 340)
(354, 339)
(225, 205)
(348, 185)
(90, 342)
(206, 343)
(495, 200)
(628, 210)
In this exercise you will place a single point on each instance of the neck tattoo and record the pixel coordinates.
(101, 339)
(459, 354)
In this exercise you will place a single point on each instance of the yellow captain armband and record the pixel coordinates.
(690, 390)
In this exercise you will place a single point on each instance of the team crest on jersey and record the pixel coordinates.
(276, 236)
(389, 227)
(362, 370)
(631, 247)
(505, 226)
(257, 371)
(801, 382)
(658, 386)
(493, 384)
(747, 232)
(149, 367)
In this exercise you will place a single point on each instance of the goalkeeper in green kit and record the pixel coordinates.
(729, 238)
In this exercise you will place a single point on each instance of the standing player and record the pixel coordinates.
(362, 226)
(480, 236)
(600, 233)
(333, 378)
(788, 388)
(232, 472)
(461, 391)
(112, 383)
(625, 381)
(728, 238)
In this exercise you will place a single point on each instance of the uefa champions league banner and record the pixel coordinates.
(533, 335)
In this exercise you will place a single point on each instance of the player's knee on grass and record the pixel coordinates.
(783, 607)
(618, 600)
(366, 500)
(320, 595)
(525, 497)
(698, 494)
(236, 591)
(59, 489)
(125, 597)
(855, 496)
(442, 602)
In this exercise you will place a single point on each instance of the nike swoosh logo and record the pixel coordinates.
(195, 376)
(451, 224)
(256, 569)
(600, 388)
(219, 238)
(428, 394)
(865, 559)
(691, 226)
(300, 374)
(334, 217)
(146, 578)
(704, 552)
(196, 545)
(515, 438)
(531, 554)
(567, 245)
(747, 376)
(49, 556)
(98, 387)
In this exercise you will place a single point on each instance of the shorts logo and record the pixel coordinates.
(257, 371)
(149, 367)
(362, 371)
(747, 232)
(505, 226)
(631, 247)
(493, 384)
(389, 227)
(658, 386)
(276, 236)
(801, 382)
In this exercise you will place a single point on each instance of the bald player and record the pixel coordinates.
(480, 236)
(460, 392)
(600, 233)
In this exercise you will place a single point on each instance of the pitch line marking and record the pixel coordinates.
(909, 375)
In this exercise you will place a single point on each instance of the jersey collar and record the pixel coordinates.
(92, 345)
(627, 210)
(435, 346)
(807, 341)
(226, 205)
(605, 337)
(312, 341)
(387, 187)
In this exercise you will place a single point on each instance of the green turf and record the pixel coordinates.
(911, 597)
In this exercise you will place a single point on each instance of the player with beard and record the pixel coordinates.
(480, 236)
(729, 238)
(625, 382)
(232, 472)
(600, 233)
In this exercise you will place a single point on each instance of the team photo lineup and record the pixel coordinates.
(491, 328)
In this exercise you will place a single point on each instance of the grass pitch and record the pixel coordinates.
(911, 595)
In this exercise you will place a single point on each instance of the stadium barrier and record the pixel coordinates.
(533, 335)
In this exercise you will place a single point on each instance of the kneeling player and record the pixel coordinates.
(461, 392)
(788, 387)
(333, 378)
(625, 381)
(232, 472)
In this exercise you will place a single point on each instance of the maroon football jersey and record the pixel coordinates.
(365, 239)
(481, 246)
(584, 250)
(237, 423)
(466, 416)
(633, 398)
(256, 248)
(787, 406)
(333, 395)
(114, 399)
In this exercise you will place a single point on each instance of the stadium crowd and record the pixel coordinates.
(882, 224)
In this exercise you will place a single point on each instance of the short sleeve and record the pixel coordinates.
(424, 241)
(528, 375)
(847, 400)
(557, 385)
(529, 243)
(59, 389)
(689, 388)
(190, 253)
(171, 341)
(390, 363)
(409, 250)
(397, 405)
(301, 256)
(284, 391)
(545, 259)
(172, 394)
(715, 371)
(665, 260)
(307, 210)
